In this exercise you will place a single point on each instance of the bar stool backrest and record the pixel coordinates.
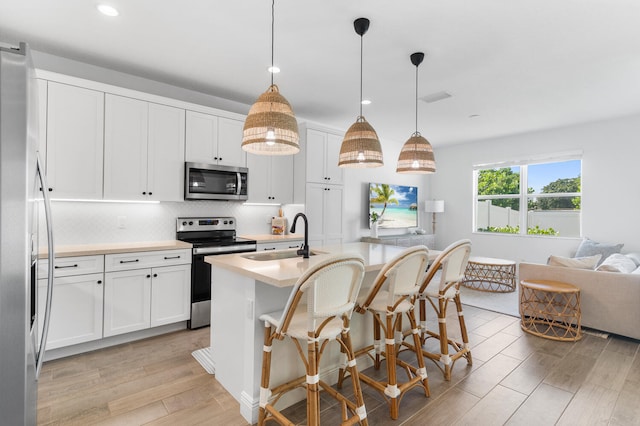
(452, 262)
(329, 288)
(402, 274)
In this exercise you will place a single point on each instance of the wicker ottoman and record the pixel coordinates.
(550, 309)
(488, 274)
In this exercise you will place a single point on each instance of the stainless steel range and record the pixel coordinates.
(209, 236)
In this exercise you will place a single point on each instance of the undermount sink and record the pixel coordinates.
(276, 255)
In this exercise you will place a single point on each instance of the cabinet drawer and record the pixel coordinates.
(146, 259)
(282, 245)
(67, 266)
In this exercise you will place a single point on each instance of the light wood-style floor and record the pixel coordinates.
(516, 379)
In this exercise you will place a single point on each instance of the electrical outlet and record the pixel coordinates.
(122, 222)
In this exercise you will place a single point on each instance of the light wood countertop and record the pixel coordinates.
(285, 272)
(112, 248)
(270, 238)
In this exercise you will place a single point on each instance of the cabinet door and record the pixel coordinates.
(314, 213)
(165, 149)
(201, 138)
(230, 151)
(76, 310)
(332, 214)
(282, 179)
(334, 173)
(125, 149)
(75, 125)
(42, 121)
(316, 143)
(170, 294)
(127, 301)
(259, 181)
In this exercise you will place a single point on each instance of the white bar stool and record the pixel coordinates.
(318, 311)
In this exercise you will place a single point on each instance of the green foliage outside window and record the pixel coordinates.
(516, 230)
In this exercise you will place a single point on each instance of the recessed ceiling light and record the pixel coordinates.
(474, 115)
(273, 69)
(105, 9)
(366, 102)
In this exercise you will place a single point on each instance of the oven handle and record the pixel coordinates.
(225, 249)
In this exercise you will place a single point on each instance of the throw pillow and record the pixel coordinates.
(635, 257)
(617, 263)
(589, 248)
(588, 262)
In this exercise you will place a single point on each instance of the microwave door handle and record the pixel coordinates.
(239, 180)
(51, 258)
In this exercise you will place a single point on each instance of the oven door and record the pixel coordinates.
(213, 182)
(201, 282)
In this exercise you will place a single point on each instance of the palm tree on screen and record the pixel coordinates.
(383, 194)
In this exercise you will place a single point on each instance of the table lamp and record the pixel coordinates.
(434, 206)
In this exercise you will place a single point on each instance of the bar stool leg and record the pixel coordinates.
(418, 345)
(355, 377)
(313, 392)
(266, 372)
(463, 330)
(444, 339)
(377, 343)
(392, 387)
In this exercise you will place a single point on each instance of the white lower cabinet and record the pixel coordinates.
(76, 311)
(127, 301)
(77, 303)
(137, 296)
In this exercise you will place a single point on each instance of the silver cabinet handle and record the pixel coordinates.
(66, 266)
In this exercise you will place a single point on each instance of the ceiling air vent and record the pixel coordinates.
(435, 97)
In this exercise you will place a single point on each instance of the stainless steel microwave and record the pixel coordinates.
(213, 182)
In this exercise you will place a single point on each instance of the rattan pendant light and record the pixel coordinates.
(360, 146)
(416, 155)
(271, 127)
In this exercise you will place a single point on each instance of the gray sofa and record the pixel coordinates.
(610, 301)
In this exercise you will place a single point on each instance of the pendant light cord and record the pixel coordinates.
(361, 44)
(416, 99)
(273, 7)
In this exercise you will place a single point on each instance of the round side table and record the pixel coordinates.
(489, 274)
(550, 309)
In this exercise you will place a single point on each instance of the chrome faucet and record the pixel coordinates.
(304, 251)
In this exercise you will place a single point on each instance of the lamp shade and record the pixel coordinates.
(416, 156)
(271, 127)
(434, 206)
(360, 146)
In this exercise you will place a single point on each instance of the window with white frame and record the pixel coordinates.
(537, 197)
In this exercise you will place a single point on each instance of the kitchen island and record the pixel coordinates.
(242, 289)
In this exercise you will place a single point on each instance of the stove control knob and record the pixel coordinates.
(230, 222)
(190, 223)
(225, 222)
(184, 223)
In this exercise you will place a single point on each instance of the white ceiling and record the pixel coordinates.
(519, 65)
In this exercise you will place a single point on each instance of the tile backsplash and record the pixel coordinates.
(97, 222)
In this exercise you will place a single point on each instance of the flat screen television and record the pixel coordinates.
(395, 205)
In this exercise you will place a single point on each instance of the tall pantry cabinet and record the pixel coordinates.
(323, 189)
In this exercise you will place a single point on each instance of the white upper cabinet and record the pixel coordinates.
(74, 132)
(323, 150)
(144, 150)
(270, 178)
(214, 140)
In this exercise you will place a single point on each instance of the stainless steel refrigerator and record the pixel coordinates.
(21, 201)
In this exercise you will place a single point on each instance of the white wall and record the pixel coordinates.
(610, 198)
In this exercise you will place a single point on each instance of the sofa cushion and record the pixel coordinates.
(590, 248)
(617, 263)
(587, 262)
